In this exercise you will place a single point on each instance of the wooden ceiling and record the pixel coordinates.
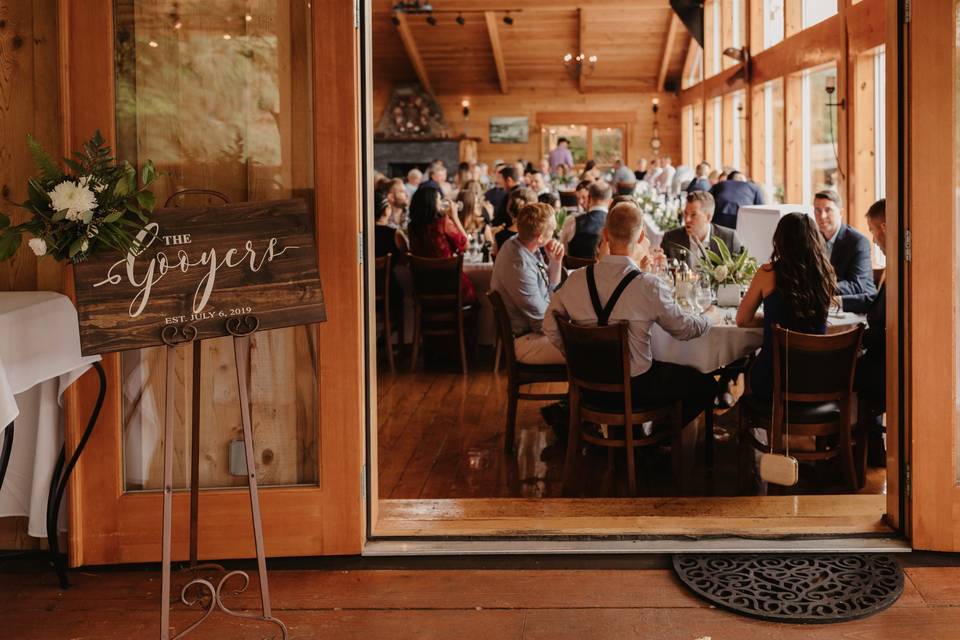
(484, 55)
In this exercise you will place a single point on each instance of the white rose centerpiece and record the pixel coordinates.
(92, 205)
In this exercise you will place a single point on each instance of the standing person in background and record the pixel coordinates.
(561, 156)
(730, 195)
(414, 178)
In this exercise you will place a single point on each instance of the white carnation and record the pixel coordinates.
(76, 199)
(38, 246)
(720, 273)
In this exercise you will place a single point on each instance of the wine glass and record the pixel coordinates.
(704, 293)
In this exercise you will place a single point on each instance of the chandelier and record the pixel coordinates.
(579, 65)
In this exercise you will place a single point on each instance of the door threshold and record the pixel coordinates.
(647, 546)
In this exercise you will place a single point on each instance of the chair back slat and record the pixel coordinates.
(382, 277)
(436, 281)
(597, 357)
(504, 328)
(821, 367)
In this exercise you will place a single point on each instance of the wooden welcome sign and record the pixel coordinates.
(200, 268)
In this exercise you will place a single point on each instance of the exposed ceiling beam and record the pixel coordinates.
(494, 32)
(668, 49)
(412, 52)
(690, 60)
(581, 45)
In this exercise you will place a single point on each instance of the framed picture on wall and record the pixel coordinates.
(508, 130)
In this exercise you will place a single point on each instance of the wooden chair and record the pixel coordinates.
(598, 364)
(570, 263)
(438, 302)
(817, 399)
(518, 373)
(383, 272)
(568, 198)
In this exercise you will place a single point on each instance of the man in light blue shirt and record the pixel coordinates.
(525, 281)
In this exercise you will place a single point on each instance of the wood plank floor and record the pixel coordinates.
(483, 599)
(440, 436)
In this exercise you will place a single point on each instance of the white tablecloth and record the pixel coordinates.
(722, 345)
(39, 358)
(480, 274)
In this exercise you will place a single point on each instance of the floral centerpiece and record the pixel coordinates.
(724, 268)
(97, 204)
(665, 216)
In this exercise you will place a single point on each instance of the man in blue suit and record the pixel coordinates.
(849, 250)
(730, 195)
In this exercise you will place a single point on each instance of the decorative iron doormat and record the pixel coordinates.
(798, 588)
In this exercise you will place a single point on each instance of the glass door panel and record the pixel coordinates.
(218, 95)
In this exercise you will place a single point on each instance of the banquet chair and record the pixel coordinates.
(520, 374)
(598, 369)
(568, 198)
(571, 263)
(439, 310)
(386, 305)
(813, 389)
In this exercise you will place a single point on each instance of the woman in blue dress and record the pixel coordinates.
(796, 289)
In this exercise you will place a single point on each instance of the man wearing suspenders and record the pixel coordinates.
(614, 290)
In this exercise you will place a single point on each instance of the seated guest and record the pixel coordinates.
(526, 280)
(701, 182)
(730, 195)
(511, 181)
(435, 231)
(847, 248)
(664, 181)
(414, 178)
(516, 200)
(644, 301)
(474, 211)
(795, 288)
(535, 181)
(437, 177)
(583, 195)
(871, 381)
(581, 234)
(687, 243)
(641, 172)
(398, 200)
(624, 182)
(389, 240)
(550, 198)
(590, 171)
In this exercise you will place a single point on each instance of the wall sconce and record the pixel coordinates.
(655, 140)
(466, 108)
(831, 88)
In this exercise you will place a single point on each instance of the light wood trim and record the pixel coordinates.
(756, 27)
(931, 216)
(792, 17)
(812, 47)
(708, 49)
(793, 129)
(410, 45)
(757, 124)
(494, 30)
(586, 117)
(581, 47)
(898, 434)
(672, 29)
(846, 96)
(866, 25)
(689, 61)
(726, 32)
(768, 516)
(714, 87)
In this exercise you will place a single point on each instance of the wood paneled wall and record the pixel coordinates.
(29, 103)
(530, 102)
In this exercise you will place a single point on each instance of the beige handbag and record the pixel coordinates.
(782, 469)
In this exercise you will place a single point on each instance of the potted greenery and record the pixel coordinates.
(730, 274)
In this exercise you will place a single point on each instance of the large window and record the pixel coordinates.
(774, 139)
(819, 133)
(601, 143)
(576, 134)
(815, 11)
(773, 22)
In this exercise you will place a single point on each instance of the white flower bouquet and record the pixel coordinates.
(99, 205)
(721, 267)
(666, 216)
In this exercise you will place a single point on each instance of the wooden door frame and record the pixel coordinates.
(97, 535)
(497, 519)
